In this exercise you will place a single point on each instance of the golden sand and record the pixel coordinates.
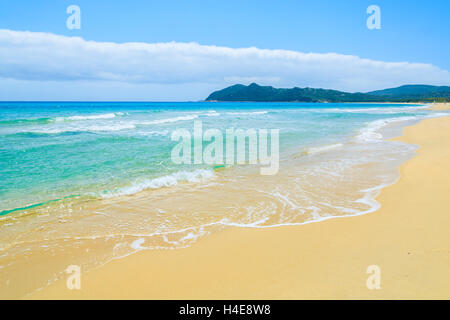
(408, 238)
(440, 106)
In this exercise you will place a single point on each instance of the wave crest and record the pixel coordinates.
(197, 176)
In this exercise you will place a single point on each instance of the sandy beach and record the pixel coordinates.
(440, 106)
(408, 239)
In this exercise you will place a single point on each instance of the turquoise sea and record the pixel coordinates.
(53, 150)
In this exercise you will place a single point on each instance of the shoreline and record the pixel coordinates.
(320, 102)
(317, 260)
(440, 106)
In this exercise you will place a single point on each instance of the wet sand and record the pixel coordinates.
(408, 238)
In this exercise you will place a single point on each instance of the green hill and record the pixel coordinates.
(257, 93)
(414, 92)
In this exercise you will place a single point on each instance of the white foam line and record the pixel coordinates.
(137, 244)
(170, 120)
(286, 200)
(323, 148)
(189, 236)
(370, 132)
(256, 225)
(247, 113)
(97, 128)
(90, 117)
(211, 114)
(199, 175)
(377, 110)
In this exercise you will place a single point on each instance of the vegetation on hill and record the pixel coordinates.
(257, 93)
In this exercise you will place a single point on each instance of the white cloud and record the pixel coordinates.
(49, 60)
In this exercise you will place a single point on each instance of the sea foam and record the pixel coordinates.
(200, 175)
(323, 148)
(90, 117)
(170, 120)
(370, 133)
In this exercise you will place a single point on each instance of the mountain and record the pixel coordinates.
(417, 91)
(257, 93)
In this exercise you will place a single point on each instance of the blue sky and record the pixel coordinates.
(414, 31)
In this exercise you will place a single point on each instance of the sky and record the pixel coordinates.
(182, 50)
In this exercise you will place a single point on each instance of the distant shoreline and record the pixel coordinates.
(402, 94)
(322, 102)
